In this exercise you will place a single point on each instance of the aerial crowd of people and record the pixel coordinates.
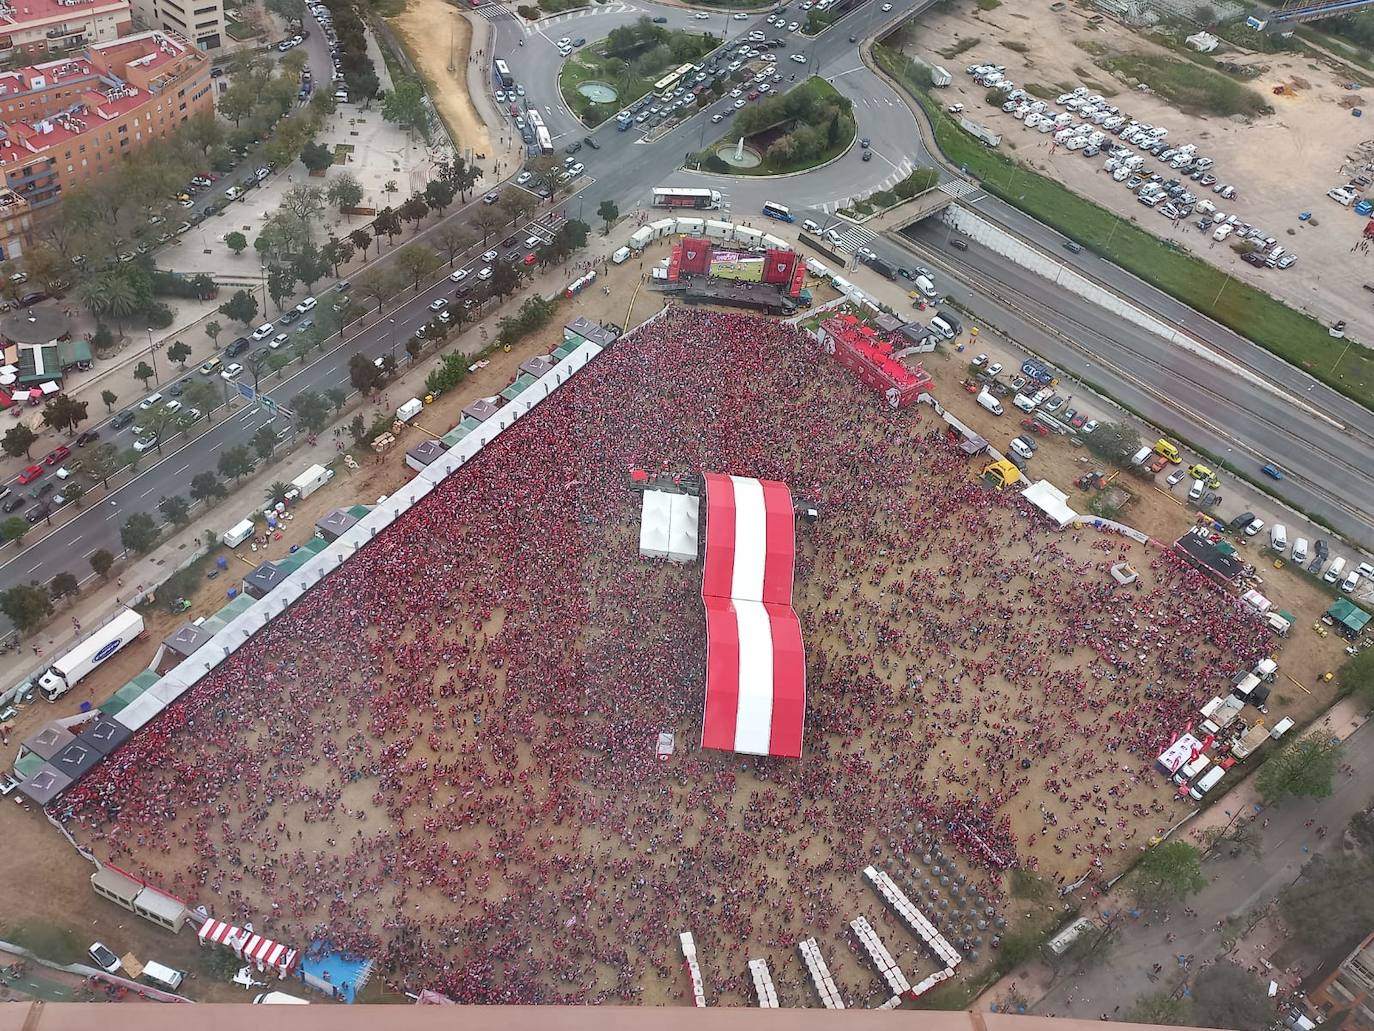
(443, 756)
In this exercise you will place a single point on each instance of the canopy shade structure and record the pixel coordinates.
(668, 526)
(755, 658)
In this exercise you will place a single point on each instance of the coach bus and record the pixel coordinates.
(779, 211)
(503, 74)
(674, 197)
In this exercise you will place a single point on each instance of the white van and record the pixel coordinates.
(1334, 571)
(1206, 783)
(989, 402)
(163, 976)
(1278, 537)
(621, 256)
(926, 287)
(236, 535)
(1026, 404)
(1189, 770)
(942, 329)
(280, 997)
(1351, 582)
(1222, 232)
(1300, 550)
(1195, 494)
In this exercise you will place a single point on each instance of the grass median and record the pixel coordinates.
(630, 60)
(793, 131)
(1284, 331)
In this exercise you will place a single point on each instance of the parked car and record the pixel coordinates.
(89, 437)
(62, 453)
(104, 958)
(30, 474)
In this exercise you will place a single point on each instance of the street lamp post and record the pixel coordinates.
(391, 332)
(152, 354)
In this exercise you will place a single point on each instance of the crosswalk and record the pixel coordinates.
(959, 188)
(544, 24)
(852, 238)
(495, 13)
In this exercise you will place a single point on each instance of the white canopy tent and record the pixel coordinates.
(668, 526)
(1052, 501)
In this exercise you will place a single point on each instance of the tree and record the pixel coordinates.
(382, 283)
(357, 427)
(1225, 995)
(335, 253)
(1330, 907)
(414, 345)
(361, 239)
(363, 374)
(337, 398)
(487, 218)
(281, 283)
(139, 533)
(236, 242)
(1168, 873)
(143, 372)
(303, 202)
(312, 410)
(102, 463)
(1304, 768)
(27, 605)
(73, 491)
(461, 174)
(13, 529)
(406, 106)
(264, 441)
(608, 212)
(415, 261)
(64, 412)
(277, 491)
(412, 209)
(63, 585)
(101, 561)
(1159, 1008)
(439, 194)
(205, 396)
(257, 361)
(18, 440)
(235, 462)
(1357, 675)
(453, 239)
(242, 307)
(205, 487)
(504, 279)
(1114, 441)
(179, 353)
(516, 204)
(109, 397)
(388, 222)
(175, 509)
(344, 191)
(309, 266)
(213, 329)
(316, 157)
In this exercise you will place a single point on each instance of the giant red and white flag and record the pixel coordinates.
(756, 663)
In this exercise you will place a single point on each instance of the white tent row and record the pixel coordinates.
(820, 974)
(712, 229)
(240, 630)
(881, 957)
(913, 917)
(763, 984)
(689, 953)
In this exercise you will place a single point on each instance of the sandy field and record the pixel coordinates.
(427, 27)
(1281, 164)
(445, 758)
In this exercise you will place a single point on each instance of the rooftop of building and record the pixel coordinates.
(29, 12)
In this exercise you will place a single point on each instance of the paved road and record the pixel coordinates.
(68, 545)
(1170, 386)
(1236, 888)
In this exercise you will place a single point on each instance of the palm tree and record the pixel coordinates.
(120, 300)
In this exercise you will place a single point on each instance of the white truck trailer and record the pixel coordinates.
(68, 671)
(312, 480)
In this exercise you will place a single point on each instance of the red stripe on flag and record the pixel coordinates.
(780, 543)
(789, 683)
(722, 675)
(719, 571)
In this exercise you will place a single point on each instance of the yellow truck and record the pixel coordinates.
(1198, 471)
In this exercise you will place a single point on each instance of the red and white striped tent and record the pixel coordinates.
(755, 660)
(264, 953)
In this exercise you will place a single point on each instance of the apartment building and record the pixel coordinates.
(16, 225)
(1345, 998)
(66, 121)
(201, 21)
(32, 29)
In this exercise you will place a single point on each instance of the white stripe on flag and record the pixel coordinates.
(754, 717)
(751, 540)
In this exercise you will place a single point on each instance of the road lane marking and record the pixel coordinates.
(178, 472)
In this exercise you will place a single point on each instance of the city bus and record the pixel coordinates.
(541, 131)
(675, 197)
(665, 86)
(503, 75)
(779, 211)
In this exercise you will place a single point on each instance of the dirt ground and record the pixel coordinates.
(1281, 164)
(437, 36)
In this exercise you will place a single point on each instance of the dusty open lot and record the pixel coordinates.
(1282, 163)
(438, 38)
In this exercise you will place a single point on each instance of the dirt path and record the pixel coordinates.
(438, 39)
